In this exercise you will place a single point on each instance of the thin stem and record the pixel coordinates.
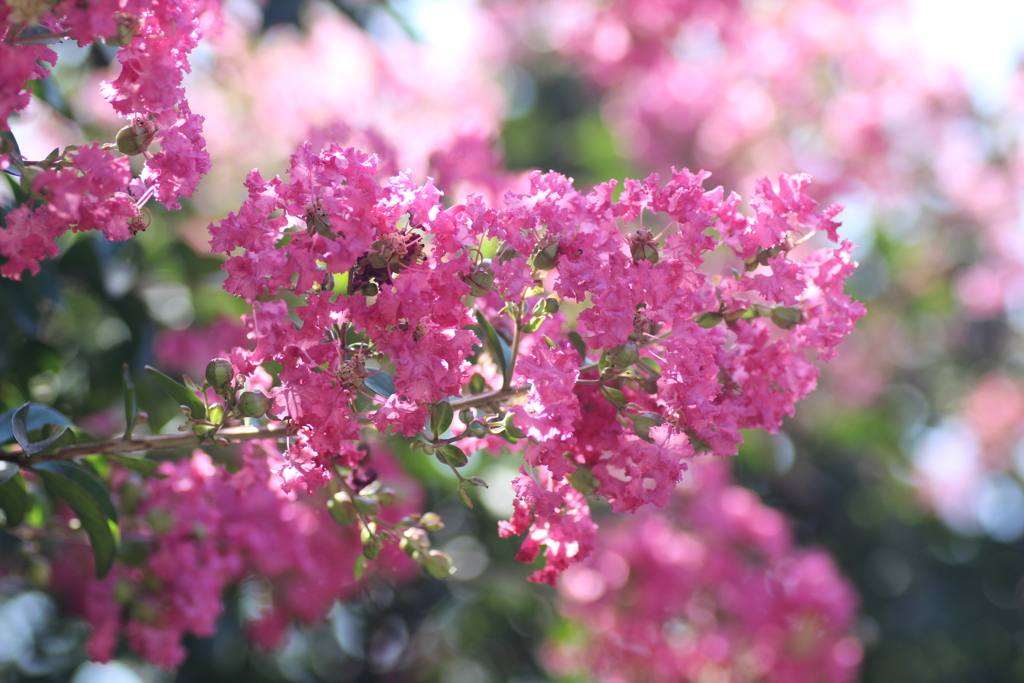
(516, 336)
(159, 441)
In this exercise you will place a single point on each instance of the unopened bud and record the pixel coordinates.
(438, 564)
(342, 510)
(644, 251)
(253, 404)
(546, 258)
(624, 355)
(481, 280)
(787, 318)
(643, 423)
(431, 521)
(127, 26)
(134, 138)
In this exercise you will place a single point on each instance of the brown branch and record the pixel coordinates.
(159, 441)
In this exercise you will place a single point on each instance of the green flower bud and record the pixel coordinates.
(787, 318)
(341, 509)
(437, 564)
(367, 506)
(644, 251)
(644, 422)
(431, 521)
(253, 404)
(134, 138)
(477, 429)
(546, 258)
(624, 355)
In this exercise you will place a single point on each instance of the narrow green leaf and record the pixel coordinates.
(357, 571)
(381, 383)
(614, 396)
(102, 535)
(147, 468)
(7, 471)
(179, 393)
(14, 500)
(36, 417)
(577, 343)
(533, 325)
(131, 404)
(83, 478)
(497, 346)
(441, 415)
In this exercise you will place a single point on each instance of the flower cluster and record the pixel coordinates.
(201, 530)
(712, 590)
(559, 324)
(92, 187)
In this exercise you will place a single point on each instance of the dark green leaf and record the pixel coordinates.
(131, 404)
(453, 455)
(147, 468)
(441, 415)
(497, 345)
(38, 415)
(577, 343)
(614, 396)
(14, 500)
(179, 393)
(64, 437)
(381, 383)
(7, 471)
(102, 533)
(84, 479)
(19, 426)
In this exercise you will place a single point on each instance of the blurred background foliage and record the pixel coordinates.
(938, 606)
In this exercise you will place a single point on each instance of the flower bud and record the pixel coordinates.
(481, 280)
(624, 355)
(546, 258)
(253, 404)
(787, 318)
(438, 564)
(342, 510)
(127, 27)
(431, 521)
(642, 251)
(134, 138)
(643, 423)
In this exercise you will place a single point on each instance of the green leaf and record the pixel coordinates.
(497, 344)
(14, 500)
(464, 497)
(441, 415)
(7, 471)
(103, 533)
(533, 325)
(38, 416)
(19, 426)
(381, 383)
(577, 343)
(147, 468)
(452, 455)
(614, 396)
(83, 478)
(131, 404)
(708, 320)
(179, 393)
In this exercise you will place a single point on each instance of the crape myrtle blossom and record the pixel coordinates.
(92, 187)
(713, 589)
(201, 530)
(681, 338)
